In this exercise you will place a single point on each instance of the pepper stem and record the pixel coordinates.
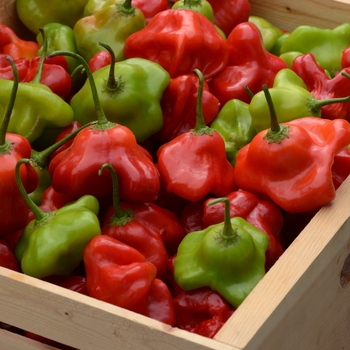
(277, 132)
(126, 8)
(39, 72)
(228, 235)
(113, 84)
(39, 214)
(200, 128)
(102, 121)
(5, 146)
(248, 91)
(316, 105)
(120, 216)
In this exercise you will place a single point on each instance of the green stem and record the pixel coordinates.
(187, 5)
(39, 214)
(42, 158)
(316, 105)
(228, 234)
(113, 84)
(121, 216)
(39, 72)
(102, 122)
(248, 91)
(200, 128)
(4, 144)
(126, 8)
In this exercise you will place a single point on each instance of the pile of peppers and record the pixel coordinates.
(161, 155)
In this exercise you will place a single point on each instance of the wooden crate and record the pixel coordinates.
(302, 303)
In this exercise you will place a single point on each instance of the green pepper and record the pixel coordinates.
(36, 13)
(59, 37)
(291, 101)
(228, 257)
(234, 123)
(130, 92)
(325, 44)
(201, 6)
(113, 24)
(269, 32)
(276, 49)
(53, 243)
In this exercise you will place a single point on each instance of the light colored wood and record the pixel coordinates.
(288, 14)
(299, 304)
(86, 323)
(12, 341)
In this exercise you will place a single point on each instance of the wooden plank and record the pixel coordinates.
(300, 304)
(12, 341)
(288, 14)
(86, 323)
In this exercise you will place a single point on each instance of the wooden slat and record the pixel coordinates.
(86, 323)
(300, 304)
(288, 14)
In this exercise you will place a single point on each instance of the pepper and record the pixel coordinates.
(22, 65)
(201, 6)
(228, 14)
(36, 107)
(180, 40)
(99, 60)
(263, 214)
(150, 8)
(341, 167)
(76, 171)
(291, 162)
(7, 258)
(129, 91)
(287, 84)
(249, 64)
(13, 208)
(325, 44)
(119, 274)
(322, 86)
(234, 123)
(53, 243)
(178, 105)
(201, 311)
(186, 163)
(228, 257)
(12, 45)
(113, 24)
(269, 32)
(35, 13)
(59, 37)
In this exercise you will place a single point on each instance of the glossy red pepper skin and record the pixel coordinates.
(7, 257)
(228, 14)
(54, 76)
(150, 8)
(249, 64)
(201, 311)
(12, 45)
(6, 72)
(186, 165)
(323, 87)
(179, 106)
(76, 171)
(263, 214)
(118, 274)
(180, 41)
(191, 217)
(99, 60)
(345, 59)
(341, 167)
(74, 283)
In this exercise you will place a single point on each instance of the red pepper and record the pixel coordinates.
(53, 75)
(7, 257)
(263, 214)
(12, 45)
(201, 311)
(73, 282)
(119, 274)
(100, 60)
(6, 72)
(341, 167)
(249, 64)
(150, 8)
(345, 59)
(180, 40)
(323, 87)
(179, 106)
(191, 217)
(291, 162)
(229, 13)
(187, 162)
